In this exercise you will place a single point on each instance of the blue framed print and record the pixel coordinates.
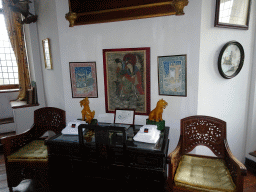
(172, 75)
(83, 79)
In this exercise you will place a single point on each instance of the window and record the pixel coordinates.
(8, 65)
(225, 10)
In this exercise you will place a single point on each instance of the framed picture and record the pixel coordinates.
(231, 59)
(83, 79)
(232, 14)
(124, 116)
(127, 79)
(172, 75)
(47, 53)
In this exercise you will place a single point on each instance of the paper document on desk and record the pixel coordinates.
(147, 134)
(72, 127)
(120, 125)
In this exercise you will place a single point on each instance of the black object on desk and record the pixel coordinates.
(107, 160)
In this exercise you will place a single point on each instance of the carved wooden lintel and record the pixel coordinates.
(87, 12)
(179, 6)
(71, 17)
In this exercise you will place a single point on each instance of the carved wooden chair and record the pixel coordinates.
(203, 173)
(25, 154)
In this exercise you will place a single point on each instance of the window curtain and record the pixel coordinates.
(16, 34)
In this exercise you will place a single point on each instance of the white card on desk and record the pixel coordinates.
(106, 118)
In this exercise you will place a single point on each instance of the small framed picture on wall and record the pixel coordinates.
(83, 79)
(233, 14)
(172, 75)
(47, 53)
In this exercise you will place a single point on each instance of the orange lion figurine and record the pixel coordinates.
(156, 114)
(87, 114)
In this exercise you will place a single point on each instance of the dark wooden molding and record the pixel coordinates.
(253, 154)
(91, 11)
(6, 87)
(6, 120)
(9, 90)
(21, 104)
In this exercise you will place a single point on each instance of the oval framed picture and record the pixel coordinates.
(231, 59)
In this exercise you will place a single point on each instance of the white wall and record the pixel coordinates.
(251, 131)
(6, 111)
(193, 34)
(24, 118)
(226, 99)
(34, 57)
(48, 28)
(170, 35)
(5, 106)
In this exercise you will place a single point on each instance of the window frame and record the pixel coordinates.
(9, 86)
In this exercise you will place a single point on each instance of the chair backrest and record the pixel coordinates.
(50, 119)
(105, 137)
(203, 130)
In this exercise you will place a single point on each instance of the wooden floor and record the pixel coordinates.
(30, 186)
(250, 182)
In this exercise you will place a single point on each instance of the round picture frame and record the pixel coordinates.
(231, 59)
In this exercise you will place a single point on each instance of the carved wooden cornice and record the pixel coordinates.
(85, 12)
(179, 6)
(71, 17)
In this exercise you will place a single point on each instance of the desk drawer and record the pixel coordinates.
(146, 160)
(147, 175)
(59, 150)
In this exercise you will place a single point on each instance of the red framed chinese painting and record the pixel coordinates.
(127, 79)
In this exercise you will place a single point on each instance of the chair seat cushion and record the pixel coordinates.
(34, 151)
(203, 174)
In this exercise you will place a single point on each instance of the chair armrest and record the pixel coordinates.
(13, 143)
(173, 160)
(240, 166)
(236, 168)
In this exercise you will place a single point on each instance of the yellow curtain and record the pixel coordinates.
(16, 35)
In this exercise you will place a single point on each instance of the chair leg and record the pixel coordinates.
(10, 189)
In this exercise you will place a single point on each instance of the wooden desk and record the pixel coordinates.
(146, 165)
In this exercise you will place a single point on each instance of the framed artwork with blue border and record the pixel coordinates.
(83, 79)
(172, 75)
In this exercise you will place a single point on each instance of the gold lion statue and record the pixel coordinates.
(87, 114)
(156, 114)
